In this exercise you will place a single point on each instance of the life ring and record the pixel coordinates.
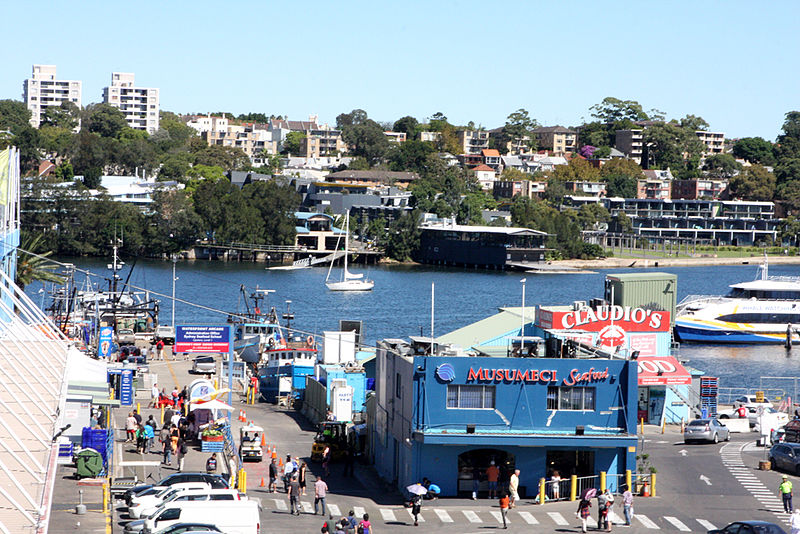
(310, 341)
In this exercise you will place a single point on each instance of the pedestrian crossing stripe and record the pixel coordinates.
(471, 516)
(387, 515)
(334, 510)
(307, 508)
(558, 518)
(708, 525)
(528, 518)
(646, 521)
(280, 504)
(499, 517)
(443, 515)
(419, 517)
(678, 523)
(359, 511)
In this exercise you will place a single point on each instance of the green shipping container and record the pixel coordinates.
(651, 291)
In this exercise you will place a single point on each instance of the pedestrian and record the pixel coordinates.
(130, 427)
(166, 444)
(294, 496)
(555, 485)
(138, 417)
(476, 481)
(607, 512)
(627, 505)
(602, 501)
(320, 492)
(785, 489)
(153, 350)
(182, 450)
(174, 436)
(141, 439)
(288, 469)
(352, 522)
(211, 464)
(160, 349)
(176, 400)
(366, 526)
(301, 477)
(416, 508)
(504, 503)
(492, 473)
(168, 413)
(149, 434)
(273, 475)
(513, 488)
(795, 522)
(175, 420)
(154, 396)
(326, 460)
(583, 513)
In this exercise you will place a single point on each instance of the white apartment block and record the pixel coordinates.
(219, 131)
(138, 104)
(714, 141)
(42, 90)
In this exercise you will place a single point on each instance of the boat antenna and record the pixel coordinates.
(765, 267)
(433, 300)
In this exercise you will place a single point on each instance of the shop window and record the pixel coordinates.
(568, 398)
(471, 397)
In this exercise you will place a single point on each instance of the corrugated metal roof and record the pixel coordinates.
(490, 331)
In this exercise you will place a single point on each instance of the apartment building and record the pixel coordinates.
(699, 188)
(631, 142)
(556, 139)
(42, 90)
(512, 188)
(396, 137)
(655, 184)
(252, 138)
(138, 104)
(473, 141)
(516, 146)
(320, 140)
(430, 137)
(714, 141)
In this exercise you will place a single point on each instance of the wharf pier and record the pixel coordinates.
(276, 254)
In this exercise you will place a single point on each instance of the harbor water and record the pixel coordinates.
(400, 304)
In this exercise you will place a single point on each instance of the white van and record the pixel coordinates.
(206, 494)
(231, 517)
(154, 498)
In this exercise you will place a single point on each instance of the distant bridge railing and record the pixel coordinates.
(253, 247)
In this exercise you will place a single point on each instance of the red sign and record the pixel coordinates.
(646, 344)
(595, 320)
(662, 371)
(575, 376)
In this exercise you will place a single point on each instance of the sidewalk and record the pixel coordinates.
(63, 518)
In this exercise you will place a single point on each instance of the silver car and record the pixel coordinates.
(706, 430)
(204, 364)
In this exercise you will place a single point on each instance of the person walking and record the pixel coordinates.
(288, 469)
(602, 503)
(785, 489)
(794, 522)
(476, 481)
(416, 508)
(583, 513)
(320, 492)
(168, 413)
(166, 444)
(326, 460)
(130, 428)
(211, 464)
(154, 396)
(294, 496)
(607, 512)
(182, 450)
(141, 439)
(627, 505)
(365, 525)
(492, 473)
(513, 488)
(504, 503)
(273, 475)
(149, 435)
(160, 349)
(301, 478)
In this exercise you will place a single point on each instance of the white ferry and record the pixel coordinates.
(766, 310)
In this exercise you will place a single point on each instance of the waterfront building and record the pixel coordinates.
(444, 413)
(556, 139)
(138, 104)
(491, 247)
(595, 189)
(315, 232)
(42, 90)
(253, 139)
(135, 190)
(630, 141)
(699, 188)
(400, 180)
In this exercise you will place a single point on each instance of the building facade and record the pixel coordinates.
(139, 104)
(473, 141)
(556, 139)
(42, 90)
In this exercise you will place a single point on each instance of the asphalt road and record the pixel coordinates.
(698, 486)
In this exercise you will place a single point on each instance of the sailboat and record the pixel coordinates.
(349, 281)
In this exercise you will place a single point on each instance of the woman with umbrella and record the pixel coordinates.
(416, 491)
(584, 505)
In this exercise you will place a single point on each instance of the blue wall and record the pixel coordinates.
(358, 381)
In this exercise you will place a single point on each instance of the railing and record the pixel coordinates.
(729, 395)
(254, 246)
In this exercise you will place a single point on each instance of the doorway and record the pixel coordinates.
(479, 460)
(570, 462)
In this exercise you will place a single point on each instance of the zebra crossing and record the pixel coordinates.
(454, 516)
(731, 455)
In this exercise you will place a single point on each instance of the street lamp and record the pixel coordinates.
(522, 328)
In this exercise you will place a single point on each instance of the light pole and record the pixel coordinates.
(522, 329)
(174, 262)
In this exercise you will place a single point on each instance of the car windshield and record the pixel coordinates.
(205, 359)
(700, 422)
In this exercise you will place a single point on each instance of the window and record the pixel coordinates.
(225, 497)
(471, 397)
(568, 398)
(398, 386)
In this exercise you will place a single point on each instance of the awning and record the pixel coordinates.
(662, 371)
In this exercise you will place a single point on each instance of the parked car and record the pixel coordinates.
(791, 431)
(706, 430)
(785, 457)
(180, 528)
(140, 362)
(165, 333)
(216, 482)
(204, 364)
(236, 517)
(749, 527)
(750, 401)
(148, 499)
(126, 336)
(185, 494)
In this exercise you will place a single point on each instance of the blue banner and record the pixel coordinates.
(105, 341)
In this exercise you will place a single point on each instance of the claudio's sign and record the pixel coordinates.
(595, 320)
(545, 376)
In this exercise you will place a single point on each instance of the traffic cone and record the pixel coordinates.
(274, 452)
(262, 485)
(280, 462)
(263, 440)
(646, 491)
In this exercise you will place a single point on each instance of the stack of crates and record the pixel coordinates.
(709, 387)
(95, 438)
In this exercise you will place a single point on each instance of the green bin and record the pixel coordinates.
(89, 463)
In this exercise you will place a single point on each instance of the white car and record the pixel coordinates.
(153, 499)
(191, 495)
(204, 364)
(750, 401)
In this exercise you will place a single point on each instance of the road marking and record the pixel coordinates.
(646, 521)
(528, 518)
(359, 511)
(334, 510)
(420, 519)
(615, 519)
(443, 515)
(307, 508)
(387, 515)
(708, 525)
(683, 452)
(280, 504)
(678, 523)
(471, 516)
(499, 517)
(558, 518)
(705, 479)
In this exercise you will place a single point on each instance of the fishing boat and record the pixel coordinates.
(765, 310)
(348, 281)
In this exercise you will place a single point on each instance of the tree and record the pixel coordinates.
(55, 140)
(753, 183)
(556, 191)
(229, 158)
(275, 204)
(597, 134)
(589, 215)
(612, 110)
(407, 124)
(721, 166)
(14, 115)
(754, 150)
(65, 115)
(511, 174)
(791, 126)
(174, 225)
(789, 193)
(667, 144)
(175, 166)
(788, 169)
(577, 170)
(693, 123)
(401, 241)
(620, 185)
(105, 120)
(624, 223)
(518, 127)
(253, 117)
(89, 157)
(790, 230)
(621, 166)
(355, 117)
(213, 173)
(410, 156)
(32, 262)
(358, 164)
(366, 139)
(292, 142)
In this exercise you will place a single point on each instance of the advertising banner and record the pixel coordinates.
(104, 341)
(203, 338)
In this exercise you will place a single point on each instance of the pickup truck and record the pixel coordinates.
(126, 336)
(165, 333)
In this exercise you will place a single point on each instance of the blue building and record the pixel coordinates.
(443, 416)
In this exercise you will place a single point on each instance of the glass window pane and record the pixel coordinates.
(575, 398)
(452, 396)
(471, 397)
(552, 398)
(488, 396)
(588, 398)
(563, 398)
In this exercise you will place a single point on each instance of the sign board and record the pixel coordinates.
(203, 338)
(104, 341)
(662, 371)
(239, 371)
(200, 388)
(126, 388)
(759, 396)
(646, 344)
(596, 320)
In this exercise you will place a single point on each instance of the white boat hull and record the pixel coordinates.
(351, 285)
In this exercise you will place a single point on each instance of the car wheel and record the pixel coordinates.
(723, 417)
(772, 464)
(716, 438)
(728, 436)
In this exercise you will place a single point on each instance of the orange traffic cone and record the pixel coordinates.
(262, 483)
(646, 491)
(263, 440)
(274, 452)
(280, 462)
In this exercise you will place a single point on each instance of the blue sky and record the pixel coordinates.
(734, 63)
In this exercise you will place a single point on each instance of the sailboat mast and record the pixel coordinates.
(346, 241)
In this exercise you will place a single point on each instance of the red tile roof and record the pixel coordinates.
(483, 168)
(490, 152)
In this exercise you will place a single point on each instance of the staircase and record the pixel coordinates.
(693, 408)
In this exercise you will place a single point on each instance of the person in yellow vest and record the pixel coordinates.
(785, 489)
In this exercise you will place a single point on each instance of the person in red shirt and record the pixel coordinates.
(504, 501)
(492, 474)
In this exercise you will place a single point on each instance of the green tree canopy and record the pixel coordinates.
(407, 124)
(754, 150)
(753, 183)
(612, 110)
(621, 185)
(721, 166)
(65, 115)
(292, 142)
(104, 120)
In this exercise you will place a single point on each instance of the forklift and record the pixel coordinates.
(333, 434)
